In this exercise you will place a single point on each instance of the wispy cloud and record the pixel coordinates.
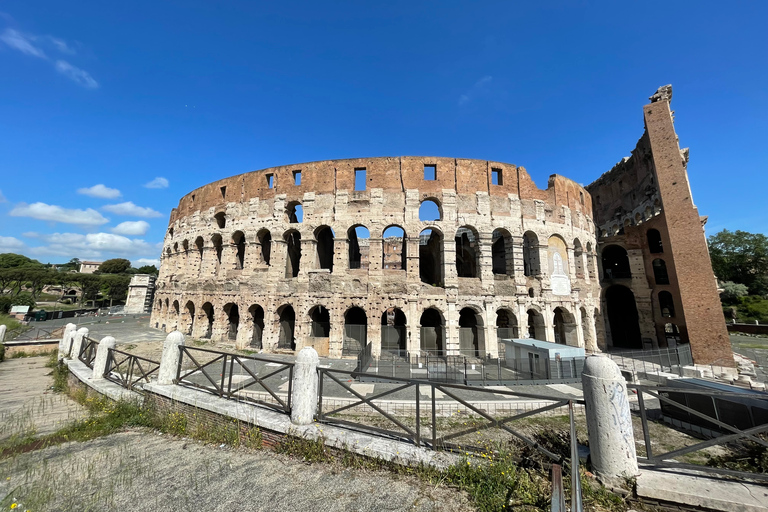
(54, 213)
(2, 197)
(92, 245)
(131, 228)
(131, 209)
(100, 191)
(10, 244)
(146, 261)
(30, 44)
(477, 89)
(158, 182)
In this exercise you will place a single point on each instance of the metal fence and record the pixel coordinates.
(88, 351)
(668, 360)
(128, 370)
(252, 379)
(355, 338)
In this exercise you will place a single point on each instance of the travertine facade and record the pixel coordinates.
(237, 263)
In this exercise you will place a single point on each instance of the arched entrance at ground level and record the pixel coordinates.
(536, 327)
(320, 320)
(257, 318)
(565, 328)
(623, 318)
(233, 320)
(287, 322)
(506, 325)
(355, 332)
(208, 317)
(471, 333)
(189, 320)
(432, 339)
(393, 331)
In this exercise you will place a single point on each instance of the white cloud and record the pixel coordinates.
(61, 45)
(22, 43)
(76, 74)
(100, 191)
(158, 182)
(131, 209)
(53, 213)
(10, 244)
(92, 245)
(131, 228)
(145, 261)
(477, 89)
(2, 197)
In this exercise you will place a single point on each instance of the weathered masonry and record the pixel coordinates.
(435, 255)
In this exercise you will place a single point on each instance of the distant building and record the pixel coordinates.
(141, 290)
(89, 267)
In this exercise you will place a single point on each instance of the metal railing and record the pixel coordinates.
(127, 370)
(256, 382)
(668, 359)
(723, 425)
(88, 351)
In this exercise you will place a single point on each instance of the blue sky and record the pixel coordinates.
(146, 101)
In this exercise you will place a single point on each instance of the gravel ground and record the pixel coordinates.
(140, 470)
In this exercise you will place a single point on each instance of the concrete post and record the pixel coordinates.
(102, 353)
(169, 361)
(69, 332)
(304, 388)
(3, 328)
(78, 342)
(609, 424)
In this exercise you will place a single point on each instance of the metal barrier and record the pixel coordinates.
(127, 370)
(88, 351)
(217, 376)
(677, 399)
(653, 360)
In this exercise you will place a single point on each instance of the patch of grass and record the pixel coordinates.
(745, 456)
(22, 353)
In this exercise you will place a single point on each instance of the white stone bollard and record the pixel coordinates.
(3, 328)
(102, 353)
(169, 361)
(69, 332)
(304, 387)
(79, 335)
(609, 423)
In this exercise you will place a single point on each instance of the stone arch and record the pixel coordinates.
(394, 248)
(286, 339)
(537, 328)
(176, 247)
(238, 244)
(355, 331)
(294, 212)
(324, 237)
(256, 316)
(319, 322)
(185, 245)
(666, 304)
(531, 263)
(616, 262)
(221, 219)
(189, 318)
(623, 318)
(502, 254)
(660, 274)
(359, 239)
(206, 313)
(654, 241)
(232, 311)
(431, 257)
(578, 259)
(471, 333)
(432, 338)
(293, 257)
(506, 324)
(264, 238)
(467, 243)
(565, 327)
(430, 210)
(218, 247)
(393, 331)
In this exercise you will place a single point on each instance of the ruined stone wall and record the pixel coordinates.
(229, 220)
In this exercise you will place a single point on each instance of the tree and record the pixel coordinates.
(115, 266)
(741, 257)
(115, 287)
(11, 260)
(732, 291)
(148, 269)
(24, 299)
(72, 265)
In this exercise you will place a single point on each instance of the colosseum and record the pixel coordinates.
(444, 256)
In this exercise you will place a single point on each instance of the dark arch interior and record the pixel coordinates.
(616, 262)
(233, 320)
(432, 332)
(257, 315)
(623, 318)
(265, 241)
(355, 332)
(654, 241)
(431, 257)
(208, 312)
(239, 240)
(536, 329)
(287, 321)
(393, 331)
(321, 322)
(467, 253)
(293, 242)
(470, 333)
(325, 248)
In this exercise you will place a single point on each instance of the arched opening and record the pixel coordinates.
(565, 328)
(320, 322)
(393, 249)
(176, 247)
(623, 318)
(660, 274)
(666, 304)
(471, 333)
(265, 246)
(293, 247)
(431, 257)
(199, 246)
(189, 313)
(217, 247)
(221, 219)
(324, 236)
(208, 317)
(429, 210)
(176, 309)
(359, 239)
(506, 325)
(672, 335)
(501, 253)
(294, 212)
(393, 331)
(256, 313)
(355, 332)
(467, 252)
(185, 245)
(238, 242)
(654, 241)
(531, 264)
(432, 332)
(233, 320)
(536, 327)
(589, 341)
(287, 321)
(616, 263)
(578, 259)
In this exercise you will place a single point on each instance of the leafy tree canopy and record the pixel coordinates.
(23, 299)
(11, 260)
(115, 266)
(741, 257)
(148, 269)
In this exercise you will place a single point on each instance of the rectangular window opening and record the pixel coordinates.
(193, 198)
(581, 198)
(430, 172)
(360, 179)
(271, 180)
(496, 177)
(297, 178)
(223, 192)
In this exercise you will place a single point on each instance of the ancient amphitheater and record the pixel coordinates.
(409, 254)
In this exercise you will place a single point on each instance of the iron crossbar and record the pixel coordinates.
(127, 370)
(88, 351)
